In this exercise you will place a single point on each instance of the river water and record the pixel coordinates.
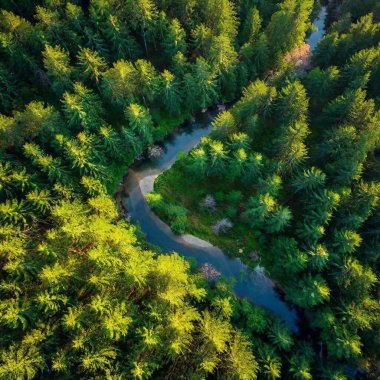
(319, 24)
(250, 283)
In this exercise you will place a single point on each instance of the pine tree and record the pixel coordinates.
(21, 362)
(174, 41)
(222, 54)
(91, 65)
(287, 256)
(124, 45)
(13, 212)
(83, 156)
(309, 180)
(119, 84)
(36, 120)
(309, 291)
(190, 99)
(143, 13)
(300, 366)
(53, 167)
(204, 81)
(279, 220)
(220, 17)
(241, 364)
(218, 157)
(146, 80)
(198, 162)
(288, 26)
(252, 25)
(140, 122)
(170, 90)
(201, 36)
(270, 363)
(83, 108)
(321, 86)
(57, 64)
(224, 125)
(258, 210)
(111, 141)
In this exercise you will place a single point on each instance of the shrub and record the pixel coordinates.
(155, 152)
(234, 197)
(231, 211)
(209, 203)
(155, 201)
(175, 211)
(179, 224)
(222, 226)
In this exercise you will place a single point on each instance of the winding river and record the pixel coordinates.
(250, 283)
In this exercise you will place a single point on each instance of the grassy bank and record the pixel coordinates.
(175, 190)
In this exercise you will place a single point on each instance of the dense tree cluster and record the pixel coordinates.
(85, 87)
(83, 299)
(301, 154)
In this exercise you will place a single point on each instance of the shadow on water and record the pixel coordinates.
(254, 284)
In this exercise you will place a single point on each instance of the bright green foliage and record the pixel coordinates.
(222, 54)
(259, 209)
(204, 83)
(220, 17)
(12, 212)
(52, 167)
(308, 179)
(288, 256)
(175, 39)
(321, 85)
(92, 329)
(224, 125)
(140, 122)
(202, 36)
(242, 364)
(57, 64)
(82, 155)
(20, 363)
(252, 25)
(340, 45)
(218, 156)
(198, 165)
(256, 56)
(170, 90)
(280, 336)
(288, 25)
(309, 291)
(36, 120)
(85, 87)
(118, 84)
(146, 80)
(143, 14)
(122, 42)
(82, 109)
(91, 65)
(300, 365)
(270, 363)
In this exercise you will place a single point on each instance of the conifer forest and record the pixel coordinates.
(190, 189)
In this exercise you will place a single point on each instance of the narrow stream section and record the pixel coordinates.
(250, 283)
